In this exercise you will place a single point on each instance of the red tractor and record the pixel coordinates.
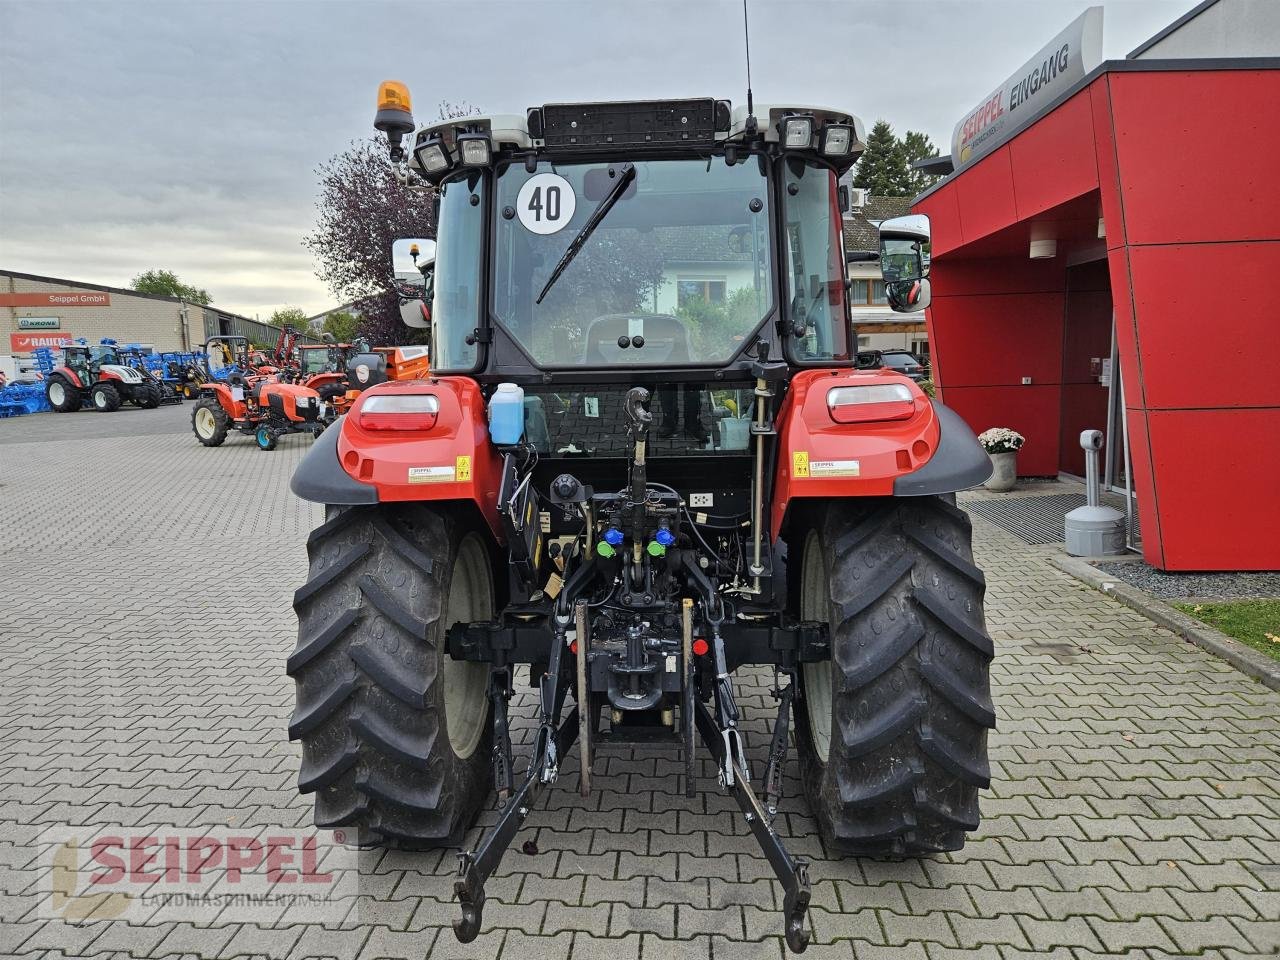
(643, 459)
(97, 375)
(257, 404)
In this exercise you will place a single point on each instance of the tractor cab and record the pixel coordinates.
(318, 358)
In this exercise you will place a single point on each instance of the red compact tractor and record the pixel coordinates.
(637, 474)
(98, 375)
(255, 403)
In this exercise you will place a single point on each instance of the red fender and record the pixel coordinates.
(69, 374)
(235, 409)
(453, 460)
(819, 457)
(318, 380)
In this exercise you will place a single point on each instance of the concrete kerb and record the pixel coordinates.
(1263, 669)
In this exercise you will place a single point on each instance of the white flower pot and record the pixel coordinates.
(1004, 473)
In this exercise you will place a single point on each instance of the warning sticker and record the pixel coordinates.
(545, 204)
(833, 468)
(800, 463)
(463, 467)
(433, 474)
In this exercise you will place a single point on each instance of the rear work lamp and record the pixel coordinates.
(835, 140)
(474, 149)
(797, 133)
(433, 156)
(872, 401)
(399, 411)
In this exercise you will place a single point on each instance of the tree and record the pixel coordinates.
(362, 208)
(289, 316)
(342, 325)
(883, 167)
(165, 283)
(918, 146)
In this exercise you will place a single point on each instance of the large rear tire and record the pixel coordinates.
(892, 730)
(209, 422)
(62, 396)
(395, 733)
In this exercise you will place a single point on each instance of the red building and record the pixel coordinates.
(1132, 226)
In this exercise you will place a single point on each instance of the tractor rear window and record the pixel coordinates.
(677, 272)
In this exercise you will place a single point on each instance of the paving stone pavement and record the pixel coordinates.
(145, 588)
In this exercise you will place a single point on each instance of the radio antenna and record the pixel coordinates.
(746, 36)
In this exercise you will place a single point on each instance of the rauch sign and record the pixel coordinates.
(1031, 90)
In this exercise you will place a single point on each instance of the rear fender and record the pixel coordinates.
(927, 450)
(319, 380)
(452, 461)
(67, 374)
(235, 409)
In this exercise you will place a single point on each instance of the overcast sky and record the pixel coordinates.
(185, 135)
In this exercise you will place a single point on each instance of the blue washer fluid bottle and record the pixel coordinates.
(506, 414)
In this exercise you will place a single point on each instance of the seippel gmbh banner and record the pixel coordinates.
(1028, 93)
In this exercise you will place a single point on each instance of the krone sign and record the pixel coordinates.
(1031, 90)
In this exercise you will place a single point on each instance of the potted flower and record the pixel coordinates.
(1002, 446)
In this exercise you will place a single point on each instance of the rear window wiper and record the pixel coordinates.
(600, 212)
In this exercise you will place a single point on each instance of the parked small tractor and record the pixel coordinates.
(609, 280)
(258, 404)
(96, 376)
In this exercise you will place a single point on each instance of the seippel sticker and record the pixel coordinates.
(833, 468)
(432, 474)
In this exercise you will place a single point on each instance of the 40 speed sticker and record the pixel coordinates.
(545, 204)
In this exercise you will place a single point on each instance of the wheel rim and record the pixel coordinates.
(205, 423)
(57, 395)
(466, 703)
(264, 438)
(815, 604)
(100, 399)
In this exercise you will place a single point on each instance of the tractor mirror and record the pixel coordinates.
(413, 264)
(904, 249)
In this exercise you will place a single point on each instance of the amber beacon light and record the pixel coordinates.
(395, 115)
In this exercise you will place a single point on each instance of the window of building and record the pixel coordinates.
(689, 290)
(920, 348)
(867, 292)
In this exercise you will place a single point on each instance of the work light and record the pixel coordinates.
(835, 140)
(474, 149)
(797, 133)
(399, 411)
(433, 157)
(871, 401)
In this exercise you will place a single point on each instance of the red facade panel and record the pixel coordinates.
(984, 195)
(1207, 324)
(1053, 160)
(1032, 411)
(943, 212)
(1144, 484)
(1198, 154)
(999, 339)
(1105, 157)
(1217, 474)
